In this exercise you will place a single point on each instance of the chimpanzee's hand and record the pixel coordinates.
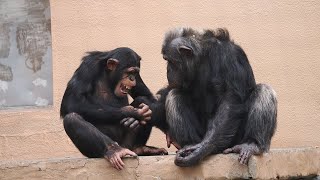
(115, 153)
(145, 113)
(141, 114)
(128, 108)
(189, 155)
(130, 123)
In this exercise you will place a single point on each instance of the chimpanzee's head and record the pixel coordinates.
(122, 66)
(181, 49)
(186, 50)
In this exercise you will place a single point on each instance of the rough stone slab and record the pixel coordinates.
(278, 163)
(80, 168)
(286, 163)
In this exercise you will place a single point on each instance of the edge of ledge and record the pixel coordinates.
(277, 164)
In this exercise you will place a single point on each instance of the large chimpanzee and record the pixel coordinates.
(212, 103)
(95, 109)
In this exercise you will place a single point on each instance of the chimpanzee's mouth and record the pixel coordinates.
(124, 89)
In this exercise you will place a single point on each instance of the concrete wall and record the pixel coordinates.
(281, 39)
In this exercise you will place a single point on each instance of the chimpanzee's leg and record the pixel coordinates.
(184, 126)
(260, 125)
(86, 137)
(134, 140)
(262, 117)
(139, 144)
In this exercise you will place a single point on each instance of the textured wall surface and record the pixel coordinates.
(281, 39)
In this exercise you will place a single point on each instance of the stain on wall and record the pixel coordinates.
(4, 39)
(33, 38)
(32, 43)
(5, 73)
(25, 53)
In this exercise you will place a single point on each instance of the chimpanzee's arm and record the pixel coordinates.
(223, 127)
(96, 113)
(158, 117)
(159, 111)
(221, 130)
(141, 90)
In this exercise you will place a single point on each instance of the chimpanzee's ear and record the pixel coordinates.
(185, 50)
(112, 64)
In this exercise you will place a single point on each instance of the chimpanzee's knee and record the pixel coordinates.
(70, 118)
(70, 122)
(262, 116)
(88, 139)
(172, 111)
(183, 124)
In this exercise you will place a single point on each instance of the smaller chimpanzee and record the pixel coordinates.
(212, 103)
(95, 109)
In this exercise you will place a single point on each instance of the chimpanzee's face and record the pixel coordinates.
(127, 82)
(174, 68)
(181, 54)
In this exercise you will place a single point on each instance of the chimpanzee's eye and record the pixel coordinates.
(132, 77)
(165, 57)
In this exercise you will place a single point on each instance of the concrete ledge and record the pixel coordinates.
(277, 164)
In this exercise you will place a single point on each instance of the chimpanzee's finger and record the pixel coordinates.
(113, 163)
(129, 122)
(136, 128)
(183, 150)
(234, 149)
(244, 157)
(119, 160)
(144, 109)
(227, 151)
(143, 122)
(134, 124)
(116, 162)
(148, 113)
(147, 119)
(142, 105)
(130, 153)
(124, 120)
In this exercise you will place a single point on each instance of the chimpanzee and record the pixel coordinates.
(95, 110)
(212, 103)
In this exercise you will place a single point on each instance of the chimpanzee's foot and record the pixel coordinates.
(245, 151)
(149, 151)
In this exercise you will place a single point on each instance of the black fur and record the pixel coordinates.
(90, 110)
(212, 102)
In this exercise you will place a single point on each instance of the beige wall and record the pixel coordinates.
(281, 39)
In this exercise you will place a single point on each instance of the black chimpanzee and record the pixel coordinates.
(95, 109)
(212, 103)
